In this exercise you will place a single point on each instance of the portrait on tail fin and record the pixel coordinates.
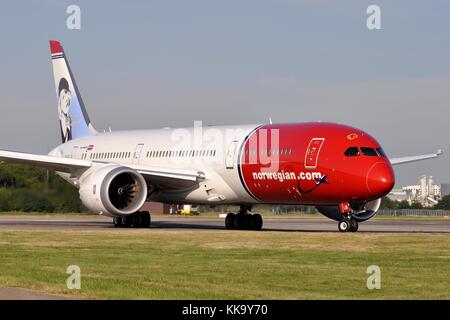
(64, 101)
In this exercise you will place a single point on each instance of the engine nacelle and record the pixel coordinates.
(113, 190)
(367, 212)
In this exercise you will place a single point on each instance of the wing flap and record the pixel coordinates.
(169, 178)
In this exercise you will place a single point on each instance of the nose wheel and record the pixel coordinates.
(348, 225)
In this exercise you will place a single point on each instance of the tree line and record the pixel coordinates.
(26, 188)
(386, 203)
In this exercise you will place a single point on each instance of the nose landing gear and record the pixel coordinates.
(348, 225)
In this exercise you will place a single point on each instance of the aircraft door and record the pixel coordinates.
(75, 150)
(312, 153)
(137, 153)
(229, 158)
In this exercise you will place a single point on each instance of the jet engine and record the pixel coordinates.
(361, 212)
(113, 190)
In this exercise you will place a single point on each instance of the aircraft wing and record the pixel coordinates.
(396, 161)
(168, 178)
(156, 176)
(48, 162)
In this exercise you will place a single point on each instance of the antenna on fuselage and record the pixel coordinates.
(270, 120)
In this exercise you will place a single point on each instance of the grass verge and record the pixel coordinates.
(179, 264)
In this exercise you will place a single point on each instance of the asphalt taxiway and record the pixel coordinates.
(288, 224)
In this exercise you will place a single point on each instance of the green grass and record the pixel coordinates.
(173, 264)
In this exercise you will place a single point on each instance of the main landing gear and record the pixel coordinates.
(140, 219)
(244, 220)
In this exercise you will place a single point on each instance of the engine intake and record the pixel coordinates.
(365, 213)
(113, 190)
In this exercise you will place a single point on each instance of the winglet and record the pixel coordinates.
(55, 47)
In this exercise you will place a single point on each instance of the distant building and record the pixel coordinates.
(445, 189)
(398, 195)
(427, 192)
(158, 207)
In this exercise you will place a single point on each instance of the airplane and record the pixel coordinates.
(341, 170)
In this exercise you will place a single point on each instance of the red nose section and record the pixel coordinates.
(380, 179)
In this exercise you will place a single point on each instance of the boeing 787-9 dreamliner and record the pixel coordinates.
(340, 170)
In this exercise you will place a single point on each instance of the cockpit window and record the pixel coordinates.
(381, 152)
(352, 152)
(369, 152)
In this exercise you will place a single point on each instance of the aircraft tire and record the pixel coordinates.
(146, 220)
(126, 222)
(354, 225)
(344, 225)
(248, 224)
(240, 221)
(257, 222)
(118, 222)
(136, 220)
(230, 221)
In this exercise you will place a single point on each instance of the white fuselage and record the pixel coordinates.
(212, 150)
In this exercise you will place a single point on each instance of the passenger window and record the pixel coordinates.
(352, 152)
(369, 152)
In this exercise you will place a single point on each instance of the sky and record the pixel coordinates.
(154, 64)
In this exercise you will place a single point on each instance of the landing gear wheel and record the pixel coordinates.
(244, 220)
(248, 222)
(240, 221)
(229, 221)
(136, 220)
(344, 225)
(257, 222)
(145, 219)
(118, 222)
(126, 222)
(354, 225)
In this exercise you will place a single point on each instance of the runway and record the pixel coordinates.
(281, 224)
